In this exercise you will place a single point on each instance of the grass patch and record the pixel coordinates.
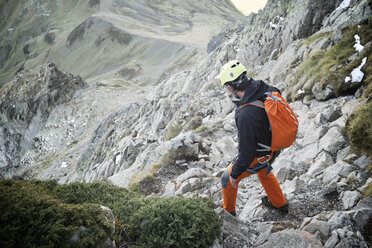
(313, 38)
(201, 129)
(46, 214)
(368, 191)
(72, 144)
(330, 67)
(173, 131)
(359, 130)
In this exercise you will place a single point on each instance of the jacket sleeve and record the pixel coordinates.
(248, 131)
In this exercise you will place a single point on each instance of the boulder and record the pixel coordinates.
(363, 218)
(333, 140)
(292, 238)
(332, 241)
(317, 226)
(189, 181)
(339, 220)
(322, 161)
(322, 93)
(350, 199)
(363, 162)
(335, 171)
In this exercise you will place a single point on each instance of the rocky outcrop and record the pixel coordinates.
(26, 103)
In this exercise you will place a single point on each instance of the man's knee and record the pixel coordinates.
(225, 178)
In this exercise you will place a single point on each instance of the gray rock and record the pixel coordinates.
(332, 241)
(343, 153)
(334, 172)
(332, 114)
(332, 141)
(351, 242)
(293, 186)
(322, 161)
(285, 173)
(189, 181)
(350, 106)
(321, 93)
(292, 238)
(363, 218)
(318, 226)
(339, 220)
(350, 198)
(363, 162)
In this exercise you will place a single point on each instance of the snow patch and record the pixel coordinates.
(357, 74)
(272, 25)
(357, 44)
(64, 165)
(300, 91)
(347, 79)
(344, 4)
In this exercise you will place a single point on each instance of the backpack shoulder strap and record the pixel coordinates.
(256, 103)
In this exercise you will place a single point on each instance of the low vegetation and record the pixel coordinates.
(46, 214)
(331, 66)
(173, 131)
(359, 130)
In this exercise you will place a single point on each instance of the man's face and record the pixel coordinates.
(231, 92)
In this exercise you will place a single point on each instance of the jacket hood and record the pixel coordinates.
(254, 90)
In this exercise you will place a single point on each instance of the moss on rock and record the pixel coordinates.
(359, 129)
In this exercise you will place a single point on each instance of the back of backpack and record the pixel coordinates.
(283, 121)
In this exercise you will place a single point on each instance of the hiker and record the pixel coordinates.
(254, 137)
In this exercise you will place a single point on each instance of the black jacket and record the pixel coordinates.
(253, 126)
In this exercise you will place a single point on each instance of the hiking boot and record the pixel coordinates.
(233, 213)
(267, 202)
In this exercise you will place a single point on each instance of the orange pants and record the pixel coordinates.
(269, 183)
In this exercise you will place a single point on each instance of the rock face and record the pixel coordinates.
(180, 140)
(26, 103)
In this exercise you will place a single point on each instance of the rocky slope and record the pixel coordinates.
(180, 141)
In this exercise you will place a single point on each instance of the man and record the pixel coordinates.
(254, 136)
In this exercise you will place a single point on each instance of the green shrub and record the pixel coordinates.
(30, 217)
(46, 214)
(175, 222)
(359, 129)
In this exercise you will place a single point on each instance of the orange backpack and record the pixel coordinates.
(282, 119)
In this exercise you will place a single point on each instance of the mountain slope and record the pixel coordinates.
(120, 39)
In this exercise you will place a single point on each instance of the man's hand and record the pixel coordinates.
(233, 182)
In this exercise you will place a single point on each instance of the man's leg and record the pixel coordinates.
(272, 188)
(228, 191)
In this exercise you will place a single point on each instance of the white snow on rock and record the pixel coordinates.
(272, 25)
(347, 79)
(357, 44)
(344, 4)
(357, 74)
(64, 165)
(300, 91)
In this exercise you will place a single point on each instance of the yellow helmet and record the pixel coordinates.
(231, 71)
